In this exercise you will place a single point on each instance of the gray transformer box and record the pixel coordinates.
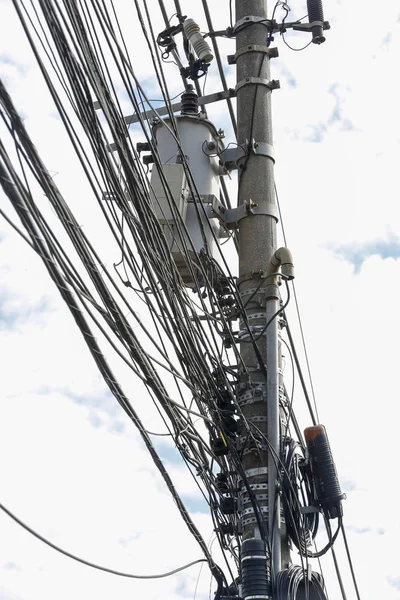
(167, 208)
(194, 133)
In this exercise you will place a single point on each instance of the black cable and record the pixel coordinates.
(93, 565)
(298, 316)
(300, 373)
(350, 562)
(291, 579)
(338, 575)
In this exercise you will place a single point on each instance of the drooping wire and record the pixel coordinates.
(93, 565)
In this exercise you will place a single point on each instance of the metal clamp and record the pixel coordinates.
(272, 52)
(230, 217)
(230, 157)
(250, 20)
(272, 84)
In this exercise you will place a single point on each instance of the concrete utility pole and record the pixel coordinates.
(259, 390)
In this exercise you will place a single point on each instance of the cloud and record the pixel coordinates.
(356, 254)
(394, 582)
(363, 530)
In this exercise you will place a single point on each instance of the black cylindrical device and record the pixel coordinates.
(324, 472)
(189, 102)
(316, 13)
(256, 578)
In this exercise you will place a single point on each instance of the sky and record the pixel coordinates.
(73, 467)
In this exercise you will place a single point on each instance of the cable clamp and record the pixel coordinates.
(272, 52)
(272, 84)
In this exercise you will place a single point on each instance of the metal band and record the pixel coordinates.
(259, 448)
(248, 521)
(255, 556)
(255, 385)
(256, 330)
(267, 208)
(250, 511)
(260, 315)
(272, 52)
(258, 419)
(247, 500)
(255, 472)
(272, 84)
(249, 19)
(255, 486)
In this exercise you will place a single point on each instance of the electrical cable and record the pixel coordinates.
(353, 575)
(93, 565)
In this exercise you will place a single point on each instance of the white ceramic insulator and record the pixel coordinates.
(200, 46)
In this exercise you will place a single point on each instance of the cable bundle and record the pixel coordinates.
(293, 580)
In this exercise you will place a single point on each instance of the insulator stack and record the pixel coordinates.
(316, 13)
(200, 46)
(189, 102)
(256, 577)
(324, 472)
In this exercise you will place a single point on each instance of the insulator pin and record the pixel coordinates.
(324, 472)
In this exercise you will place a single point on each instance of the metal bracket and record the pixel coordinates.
(308, 26)
(230, 217)
(272, 85)
(246, 21)
(272, 52)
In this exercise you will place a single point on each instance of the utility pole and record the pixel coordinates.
(259, 389)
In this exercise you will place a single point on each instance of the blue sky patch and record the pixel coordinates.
(356, 254)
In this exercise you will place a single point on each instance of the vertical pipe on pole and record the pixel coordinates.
(273, 429)
(257, 243)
